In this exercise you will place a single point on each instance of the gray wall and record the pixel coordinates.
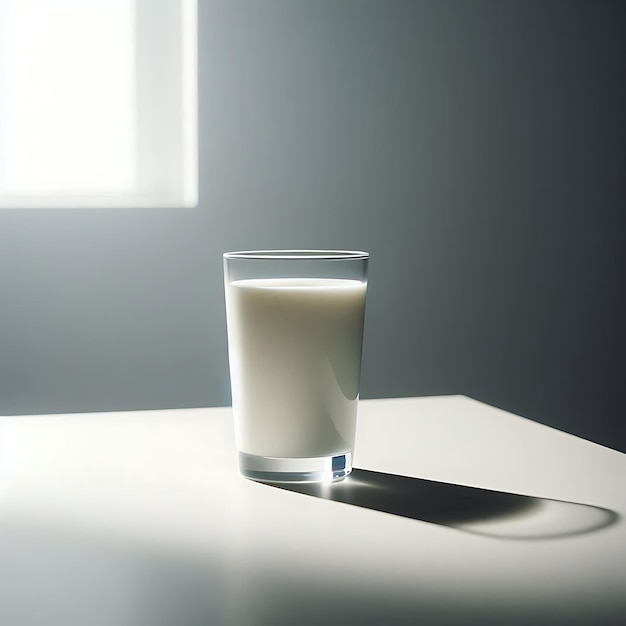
(476, 149)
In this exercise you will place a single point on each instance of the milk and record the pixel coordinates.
(295, 361)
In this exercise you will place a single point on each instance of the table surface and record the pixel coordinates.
(456, 513)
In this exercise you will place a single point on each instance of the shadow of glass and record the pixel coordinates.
(470, 509)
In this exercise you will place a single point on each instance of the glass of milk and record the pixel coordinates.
(295, 333)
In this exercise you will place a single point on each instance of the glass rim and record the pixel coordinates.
(298, 255)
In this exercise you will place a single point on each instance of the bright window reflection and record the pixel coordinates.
(97, 103)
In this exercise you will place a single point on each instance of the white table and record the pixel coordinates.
(140, 518)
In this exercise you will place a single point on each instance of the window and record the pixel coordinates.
(98, 103)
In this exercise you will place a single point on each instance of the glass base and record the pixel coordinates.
(277, 470)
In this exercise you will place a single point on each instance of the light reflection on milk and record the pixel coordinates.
(295, 360)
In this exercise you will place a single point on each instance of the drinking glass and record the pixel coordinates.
(295, 333)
